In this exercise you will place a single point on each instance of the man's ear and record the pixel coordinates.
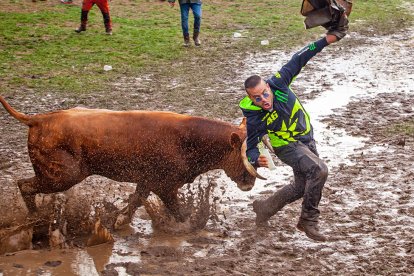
(235, 140)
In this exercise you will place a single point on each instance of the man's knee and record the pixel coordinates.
(323, 170)
(313, 167)
(319, 172)
(184, 18)
(197, 16)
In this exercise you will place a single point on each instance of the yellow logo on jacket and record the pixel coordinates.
(272, 117)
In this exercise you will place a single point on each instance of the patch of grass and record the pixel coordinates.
(402, 129)
(382, 16)
(40, 49)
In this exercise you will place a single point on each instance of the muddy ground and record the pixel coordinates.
(368, 201)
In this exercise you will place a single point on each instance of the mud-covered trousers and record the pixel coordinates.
(310, 174)
(103, 6)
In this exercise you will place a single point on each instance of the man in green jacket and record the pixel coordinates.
(272, 108)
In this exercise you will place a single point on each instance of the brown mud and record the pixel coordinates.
(367, 206)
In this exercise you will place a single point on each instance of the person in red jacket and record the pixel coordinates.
(103, 6)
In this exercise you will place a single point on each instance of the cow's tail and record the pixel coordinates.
(25, 119)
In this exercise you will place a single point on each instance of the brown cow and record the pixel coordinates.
(160, 151)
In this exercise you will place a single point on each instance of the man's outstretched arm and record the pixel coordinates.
(291, 69)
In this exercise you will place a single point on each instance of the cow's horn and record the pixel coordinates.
(266, 141)
(247, 164)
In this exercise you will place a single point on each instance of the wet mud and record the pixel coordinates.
(367, 208)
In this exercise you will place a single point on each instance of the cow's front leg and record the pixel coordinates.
(171, 202)
(135, 201)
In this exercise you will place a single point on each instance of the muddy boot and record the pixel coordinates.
(197, 41)
(84, 21)
(311, 229)
(81, 28)
(108, 31)
(186, 40)
(264, 209)
(262, 215)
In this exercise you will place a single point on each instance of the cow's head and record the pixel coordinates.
(237, 166)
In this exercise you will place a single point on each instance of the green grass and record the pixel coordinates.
(41, 51)
(402, 129)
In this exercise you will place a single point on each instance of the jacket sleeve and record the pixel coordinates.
(255, 133)
(291, 69)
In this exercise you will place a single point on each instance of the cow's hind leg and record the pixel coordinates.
(56, 171)
(135, 201)
(28, 188)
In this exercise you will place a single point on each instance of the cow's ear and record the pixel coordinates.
(235, 140)
(243, 123)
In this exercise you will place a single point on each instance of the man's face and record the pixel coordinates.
(261, 95)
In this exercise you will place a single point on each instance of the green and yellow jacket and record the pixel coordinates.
(288, 122)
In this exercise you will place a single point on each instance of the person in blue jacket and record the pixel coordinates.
(272, 108)
(185, 6)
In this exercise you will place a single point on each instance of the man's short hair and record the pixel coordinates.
(252, 82)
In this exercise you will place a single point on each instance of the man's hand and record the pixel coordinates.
(262, 161)
(172, 4)
(340, 28)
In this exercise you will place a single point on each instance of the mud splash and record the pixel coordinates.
(197, 205)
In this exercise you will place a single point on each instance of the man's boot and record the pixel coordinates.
(186, 40)
(264, 209)
(84, 21)
(311, 229)
(197, 41)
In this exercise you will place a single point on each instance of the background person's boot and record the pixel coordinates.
(311, 229)
(186, 40)
(81, 28)
(108, 31)
(265, 209)
(84, 21)
(197, 41)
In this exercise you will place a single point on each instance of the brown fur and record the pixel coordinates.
(160, 151)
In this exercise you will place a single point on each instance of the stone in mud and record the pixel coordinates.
(53, 263)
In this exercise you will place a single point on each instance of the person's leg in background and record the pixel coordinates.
(185, 8)
(86, 7)
(196, 8)
(104, 7)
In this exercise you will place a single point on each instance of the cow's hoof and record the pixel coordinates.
(121, 220)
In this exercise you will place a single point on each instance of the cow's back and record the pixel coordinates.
(129, 145)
